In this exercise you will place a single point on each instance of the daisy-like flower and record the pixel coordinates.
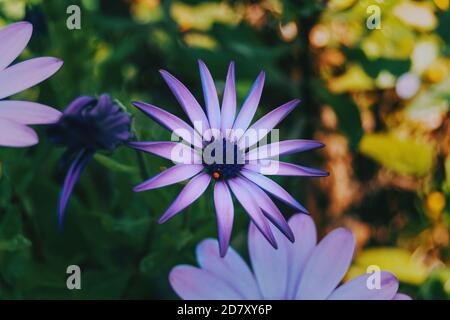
(302, 270)
(221, 147)
(16, 115)
(87, 125)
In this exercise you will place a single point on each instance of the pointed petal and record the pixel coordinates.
(71, 179)
(358, 289)
(105, 105)
(25, 112)
(250, 205)
(175, 174)
(298, 252)
(174, 151)
(13, 134)
(280, 168)
(269, 264)
(231, 269)
(14, 38)
(224, 213)
(210, 94)
(269, 208)
(264, 125)
(171, 122)
(282, 148)
(327, 265)
(79, 103)
(273, 188)
(250, 105)
(26, 74)
(229, 101)
(191, 192)
(187, 102)
(191, 283)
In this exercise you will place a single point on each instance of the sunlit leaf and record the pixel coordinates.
(354, 79)
(404, 156)
(398, 261)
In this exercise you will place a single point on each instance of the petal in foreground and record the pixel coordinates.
(299, 270)
(27, 74)
(358, 289)
(327, 265)
(270, 266)
(13, 134)
(401, 296)
(14, 115)
(299, 252)
(231, 266)
(192, 283)
(25, 112)
(14, 38)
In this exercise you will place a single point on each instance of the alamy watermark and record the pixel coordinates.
(374, 19)
(73, 21)
(373, 281)
(74, 279)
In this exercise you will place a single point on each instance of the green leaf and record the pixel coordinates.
(113, 164)
(404, 156)
(433, 288)
(19, 242)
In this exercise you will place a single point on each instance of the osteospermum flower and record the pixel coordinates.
(221, 147)
(302, 270)
(16, 115)
(87, 125)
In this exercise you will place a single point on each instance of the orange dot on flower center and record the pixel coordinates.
(216, 175)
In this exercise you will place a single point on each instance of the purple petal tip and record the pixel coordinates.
(24, 24)
(162, 220)
(223, 252)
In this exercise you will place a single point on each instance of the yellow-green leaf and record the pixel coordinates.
(398, 261)
(404, 156)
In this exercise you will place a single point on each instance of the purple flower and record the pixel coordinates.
(87, 125)
(16, 115)
(221, 146)
(302, 270)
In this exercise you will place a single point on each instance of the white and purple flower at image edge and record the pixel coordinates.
(303, 270)
(15, 116)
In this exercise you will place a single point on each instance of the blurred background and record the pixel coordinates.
(376, 94)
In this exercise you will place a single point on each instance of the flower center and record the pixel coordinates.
(223, 159)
